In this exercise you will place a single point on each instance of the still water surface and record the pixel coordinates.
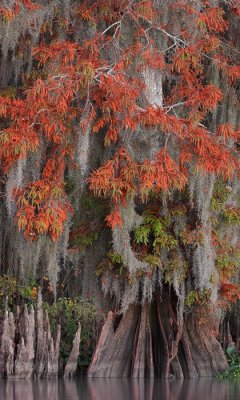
(118, 389)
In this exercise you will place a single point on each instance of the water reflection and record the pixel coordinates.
(118, 389)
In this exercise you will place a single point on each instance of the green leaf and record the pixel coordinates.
(153, 260)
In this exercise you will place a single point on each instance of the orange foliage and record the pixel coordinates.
(114, 219)
(212, 19)
(78, 74)
(230, 291)
(9, 13)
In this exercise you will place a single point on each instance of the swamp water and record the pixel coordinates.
(118, 389)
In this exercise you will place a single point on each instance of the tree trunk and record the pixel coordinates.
(142, 356)
(27, 349)
(71, 365)
(113, 354)
(162, 345)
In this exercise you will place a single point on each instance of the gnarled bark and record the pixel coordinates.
(112, 355)
(71, 365)
(25, 354)
(7, 347)
(39, 366)
(27, 349)
(142, 364)
(53, 354)
(163, 344)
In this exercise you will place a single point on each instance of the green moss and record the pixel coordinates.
(15, 292)
(233, 373)
(175, 264)
(10, 91)
(141, 234)
(226, 261)
(231, 215)
(69, 185)
(153, 260)
(220, 195)
(93, 205)
(114, 263)
(88, 222)
(154, 232)
(82, 241)
(195, 297)
(68, 312)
